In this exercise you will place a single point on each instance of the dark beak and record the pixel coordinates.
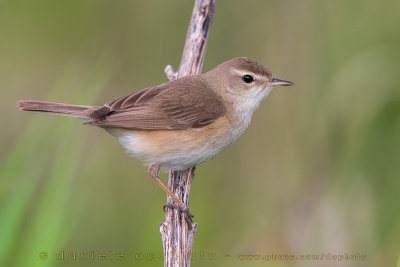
(279, 82)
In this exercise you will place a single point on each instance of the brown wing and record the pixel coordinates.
(179, 104)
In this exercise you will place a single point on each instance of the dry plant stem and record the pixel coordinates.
(177, 240)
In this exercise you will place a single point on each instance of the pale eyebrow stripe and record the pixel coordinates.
(242, 72)
(256, 77)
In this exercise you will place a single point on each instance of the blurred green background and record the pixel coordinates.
(316, 172)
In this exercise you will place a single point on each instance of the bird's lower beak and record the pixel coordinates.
(278, 82)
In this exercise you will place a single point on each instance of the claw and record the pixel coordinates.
(177, 204)
(188, 215)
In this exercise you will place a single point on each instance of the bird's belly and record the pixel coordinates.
(178, 149)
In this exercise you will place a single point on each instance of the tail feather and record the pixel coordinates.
(82, 112)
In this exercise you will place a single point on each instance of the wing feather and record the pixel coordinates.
(179, 104)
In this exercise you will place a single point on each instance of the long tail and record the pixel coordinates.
(82, 112)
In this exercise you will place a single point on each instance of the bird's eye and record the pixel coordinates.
(247, 78)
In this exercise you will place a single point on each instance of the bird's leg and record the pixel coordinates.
(178, 204)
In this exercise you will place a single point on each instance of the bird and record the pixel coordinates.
(181, 123)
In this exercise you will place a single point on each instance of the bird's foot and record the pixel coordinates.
(188, 215)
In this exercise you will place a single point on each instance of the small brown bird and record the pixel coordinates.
(181, 123)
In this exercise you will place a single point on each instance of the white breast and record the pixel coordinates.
(245, 107)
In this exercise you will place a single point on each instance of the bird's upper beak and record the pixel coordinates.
(278, 82)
